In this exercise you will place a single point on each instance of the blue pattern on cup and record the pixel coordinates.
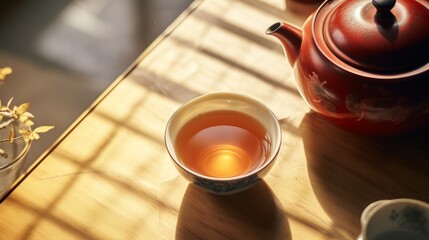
(411, 218)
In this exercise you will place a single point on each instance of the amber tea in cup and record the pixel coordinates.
(223, 142)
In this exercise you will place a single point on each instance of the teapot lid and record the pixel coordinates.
(379, 36)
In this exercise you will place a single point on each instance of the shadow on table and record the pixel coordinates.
(294, 12)
(251, 214)
(302, 8)
(350, 171)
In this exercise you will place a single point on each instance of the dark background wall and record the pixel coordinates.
(64, 53)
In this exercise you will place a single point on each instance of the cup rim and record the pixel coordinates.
(268, 161)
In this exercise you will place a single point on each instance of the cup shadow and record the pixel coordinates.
(349, 171)
(251, 214)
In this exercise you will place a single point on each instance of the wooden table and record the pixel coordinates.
(110, 177)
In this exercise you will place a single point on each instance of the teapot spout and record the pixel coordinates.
(290, 37)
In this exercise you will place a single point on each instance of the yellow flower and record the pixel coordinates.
(18, 116)
(4, 72)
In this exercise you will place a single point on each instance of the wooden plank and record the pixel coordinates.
(110, 177)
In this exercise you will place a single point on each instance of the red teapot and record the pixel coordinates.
(364, 65)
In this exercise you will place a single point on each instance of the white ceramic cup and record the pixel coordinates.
(224, 101)
(397, 219)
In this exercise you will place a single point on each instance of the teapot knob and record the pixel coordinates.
(383, 5)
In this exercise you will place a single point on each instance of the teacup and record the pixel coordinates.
(397, 219)
(223, 142)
